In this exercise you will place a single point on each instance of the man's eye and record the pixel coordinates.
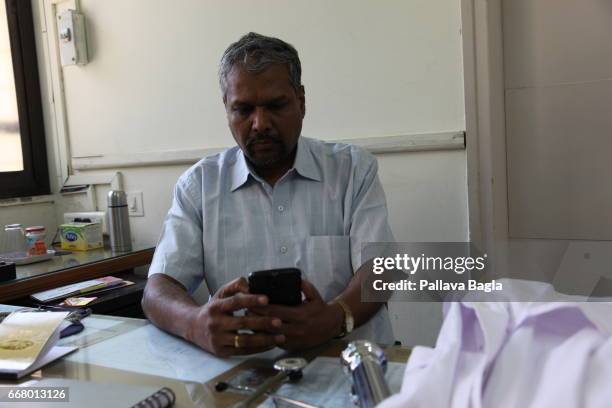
(242, 110)
(277, 106)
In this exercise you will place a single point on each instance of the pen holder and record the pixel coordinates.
(7, 271)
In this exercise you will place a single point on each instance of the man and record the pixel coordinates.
(275, 200)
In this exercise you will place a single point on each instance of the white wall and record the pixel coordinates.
(371, 69)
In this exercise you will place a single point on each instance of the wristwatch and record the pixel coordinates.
(349, 322)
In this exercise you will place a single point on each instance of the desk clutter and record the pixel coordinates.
(29, 240)
(89, 287)
(132, 363)
(361, 377)
(29, 342)
(25, 245)
(22, 246)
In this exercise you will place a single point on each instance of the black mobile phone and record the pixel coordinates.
(282, 286)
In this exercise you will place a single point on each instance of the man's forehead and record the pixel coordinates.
(273, 81)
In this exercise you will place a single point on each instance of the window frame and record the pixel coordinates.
(34, 178)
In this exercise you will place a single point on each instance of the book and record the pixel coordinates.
(27, 342)
(78, 288)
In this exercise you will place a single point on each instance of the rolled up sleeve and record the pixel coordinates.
(179, 252)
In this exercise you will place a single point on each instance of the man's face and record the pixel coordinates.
(264, 114)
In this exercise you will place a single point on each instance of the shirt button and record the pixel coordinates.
(283, 249)
(280, 208)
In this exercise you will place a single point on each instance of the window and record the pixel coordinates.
(23, 157)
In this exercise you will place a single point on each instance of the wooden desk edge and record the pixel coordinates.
(25, 287)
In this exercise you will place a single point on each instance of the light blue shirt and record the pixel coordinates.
(226, 221)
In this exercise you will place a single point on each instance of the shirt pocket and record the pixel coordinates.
(329, 264)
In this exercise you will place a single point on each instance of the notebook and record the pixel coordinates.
(27, 342)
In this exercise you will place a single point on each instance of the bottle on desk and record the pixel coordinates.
(119, 222)
(35, 240)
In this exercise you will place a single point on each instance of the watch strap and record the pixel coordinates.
(348, 322)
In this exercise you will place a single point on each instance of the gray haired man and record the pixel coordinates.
(275, 200)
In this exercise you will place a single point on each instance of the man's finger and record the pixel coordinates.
(239, 301)
(285, 313)
(310, 292)
(255, 323)
(238, 285)
(293, 331)
(253, 341)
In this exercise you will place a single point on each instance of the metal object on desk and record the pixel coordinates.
(119, 221)
(251, 378)
(366, 364)
(292, 367)
(287, 368)
(223, 385)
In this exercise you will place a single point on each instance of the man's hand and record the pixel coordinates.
(307, 325)
(214, 327)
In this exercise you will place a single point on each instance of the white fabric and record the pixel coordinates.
(511, 354)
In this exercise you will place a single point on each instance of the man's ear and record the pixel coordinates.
(302, 99)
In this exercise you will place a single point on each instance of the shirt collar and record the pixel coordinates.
(304, 165)
(240, 172)
(304, 161)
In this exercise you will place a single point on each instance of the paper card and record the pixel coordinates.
(78, 301)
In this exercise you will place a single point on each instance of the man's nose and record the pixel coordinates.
(261, 120)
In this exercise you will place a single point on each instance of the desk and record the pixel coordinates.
(66, 269)
(114, 350)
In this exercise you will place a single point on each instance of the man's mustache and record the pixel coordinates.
(263, 139)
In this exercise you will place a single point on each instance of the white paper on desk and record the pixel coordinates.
(326, 385)
(148, 350)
